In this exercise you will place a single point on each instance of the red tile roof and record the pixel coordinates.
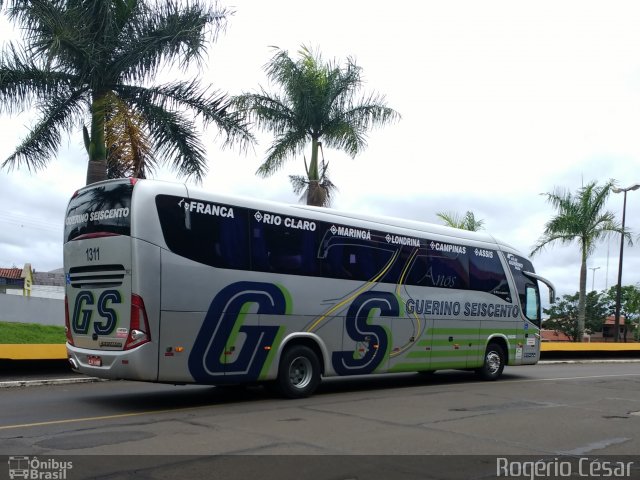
(611, 320)
(13, 273)
(554, 336)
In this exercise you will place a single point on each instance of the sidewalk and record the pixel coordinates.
(21, 373)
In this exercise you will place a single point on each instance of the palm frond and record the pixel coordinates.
(74, 47)
(211, 106)
(57, 115)
(468, 221)
(314, 192)
(23, 82)
(314, 102)
(285, 145)
(175, 140)
(318, 193)
(169, 30)
(128, 150)
(268, 113)
(579, 217)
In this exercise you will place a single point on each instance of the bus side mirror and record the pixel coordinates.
(552, 289)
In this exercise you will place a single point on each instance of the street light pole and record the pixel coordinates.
(619, 287)
(593, 276)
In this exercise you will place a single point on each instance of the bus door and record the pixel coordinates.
(531, 310)
(526, 283)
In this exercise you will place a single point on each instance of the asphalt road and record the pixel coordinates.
(545, 411)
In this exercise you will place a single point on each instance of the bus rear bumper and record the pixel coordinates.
(137, 364)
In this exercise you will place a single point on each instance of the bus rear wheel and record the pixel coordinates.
(494, 361)
(299, 372)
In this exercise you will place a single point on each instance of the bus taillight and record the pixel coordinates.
(139, 327)
(67, 324)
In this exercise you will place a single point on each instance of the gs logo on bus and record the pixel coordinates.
(223, 322)
(84, 308)
(214, 359)
(359, 330)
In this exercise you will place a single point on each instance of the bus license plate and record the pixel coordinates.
(94, 360)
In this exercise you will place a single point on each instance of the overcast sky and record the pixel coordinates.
(501, 101)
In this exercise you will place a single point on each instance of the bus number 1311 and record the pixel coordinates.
(93, 254)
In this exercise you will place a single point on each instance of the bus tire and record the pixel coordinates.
(494, 361)
(299, 372)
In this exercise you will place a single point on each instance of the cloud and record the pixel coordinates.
(500, 102)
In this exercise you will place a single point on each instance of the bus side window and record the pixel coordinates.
(357, 262)
(446, 270)
(417, 269)
(532, 303)
(487, 275)
(211, 240)
(259, 253)
(277, 249)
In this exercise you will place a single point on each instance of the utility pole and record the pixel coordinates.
(619, 289)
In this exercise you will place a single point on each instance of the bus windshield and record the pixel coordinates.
(99, 210)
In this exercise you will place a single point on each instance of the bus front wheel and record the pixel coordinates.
(494, 361)
(299, 372)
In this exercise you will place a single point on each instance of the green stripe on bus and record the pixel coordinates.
(272, 353)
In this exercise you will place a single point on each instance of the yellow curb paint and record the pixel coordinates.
(59, 351)
(589, 347)
(39, 351)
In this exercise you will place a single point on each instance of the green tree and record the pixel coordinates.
(96, 60)
(316, 103)
(563, 315)
(629, 306)
(580, 218)
(466, 222)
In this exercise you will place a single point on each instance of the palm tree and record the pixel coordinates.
(93, 60)
(316, 104)
(580, 218)
(468, 222)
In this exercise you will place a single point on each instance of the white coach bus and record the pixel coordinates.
(168, 283)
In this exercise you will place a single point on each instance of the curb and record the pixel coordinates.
(49, 381)
(586, 360)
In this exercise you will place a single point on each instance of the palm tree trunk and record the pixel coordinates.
(97, 167)
(314, 180)
(582, 304)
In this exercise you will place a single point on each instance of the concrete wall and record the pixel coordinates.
(42, 291)
(46, 311)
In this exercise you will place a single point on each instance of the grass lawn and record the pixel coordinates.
(19, 333)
